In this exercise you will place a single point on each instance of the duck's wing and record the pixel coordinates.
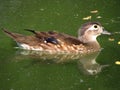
(44, 38)
(56, 38)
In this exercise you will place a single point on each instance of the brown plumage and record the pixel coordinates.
(59, 42)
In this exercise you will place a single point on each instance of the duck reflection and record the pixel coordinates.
(86, 63)
(89, 65)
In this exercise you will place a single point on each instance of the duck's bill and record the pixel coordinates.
(106, 32)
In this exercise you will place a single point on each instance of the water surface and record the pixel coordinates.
(32, 72)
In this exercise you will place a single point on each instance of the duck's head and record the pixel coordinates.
(89, 31)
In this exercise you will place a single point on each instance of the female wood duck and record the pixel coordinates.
(54, 42)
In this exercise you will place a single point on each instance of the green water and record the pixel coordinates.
(25, 72)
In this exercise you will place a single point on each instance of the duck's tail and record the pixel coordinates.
(10, 34)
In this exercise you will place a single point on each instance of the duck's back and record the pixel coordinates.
(48, 41)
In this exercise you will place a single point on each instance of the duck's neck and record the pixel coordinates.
(90, 42)
(87, 38)
(93, 45)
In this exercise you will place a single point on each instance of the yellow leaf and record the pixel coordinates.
(87, 18)
(117, 62)
(119, 42)
(94, 11)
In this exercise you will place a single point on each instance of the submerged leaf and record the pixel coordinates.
(111, 39)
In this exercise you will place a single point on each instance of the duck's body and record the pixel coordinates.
(57, 42)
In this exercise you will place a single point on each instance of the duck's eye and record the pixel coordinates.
(95, 26)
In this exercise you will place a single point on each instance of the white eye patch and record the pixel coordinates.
(93, 27)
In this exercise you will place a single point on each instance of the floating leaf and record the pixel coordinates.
(117, 62)
(94, 11)
(118, 42)
(87, 18)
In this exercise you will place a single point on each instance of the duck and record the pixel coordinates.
(55, 42)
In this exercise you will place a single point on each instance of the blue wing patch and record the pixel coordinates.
(52, 40)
